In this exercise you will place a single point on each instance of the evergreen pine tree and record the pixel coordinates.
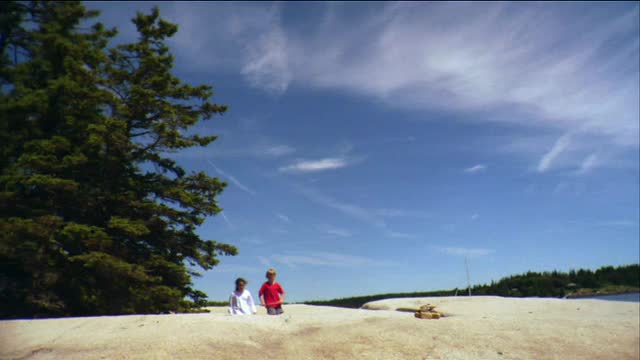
(95, 218)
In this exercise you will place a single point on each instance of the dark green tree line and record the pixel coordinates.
(533, 284)
(559, 284)
(95, 218)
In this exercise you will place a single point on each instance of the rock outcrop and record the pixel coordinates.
(428, 311)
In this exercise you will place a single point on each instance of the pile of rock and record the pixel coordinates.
(428, 311)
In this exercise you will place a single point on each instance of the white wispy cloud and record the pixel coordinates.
(334, 231)
(267, 60)
(226, 219)
(232, 178)
(279, 150)
(416, 58)
(264, 261)
(398, 213)
(361, 213)
(558, 147)
(373, 216)
(307, 166)
(577, 153)
(400, 235)
(236, 269)
(219, 151)
(465, 252)
(476, 168)
(283, 217)
(324, 259)
(588, 164)
(339, 232)
(553, 70)
(618, 223)
(386, 141)
(248, 39)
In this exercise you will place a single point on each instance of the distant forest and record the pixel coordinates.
(575, 283)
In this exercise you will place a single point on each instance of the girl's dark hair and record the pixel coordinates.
(240, 280)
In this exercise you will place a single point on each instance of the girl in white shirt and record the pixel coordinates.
(241, 301)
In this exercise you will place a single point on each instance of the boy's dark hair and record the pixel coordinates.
(240, 280)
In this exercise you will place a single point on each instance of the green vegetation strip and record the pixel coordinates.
(580, 283)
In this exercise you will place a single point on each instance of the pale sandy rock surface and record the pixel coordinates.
(478, 328)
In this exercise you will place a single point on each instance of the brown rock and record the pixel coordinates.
(427, 307)
(427, 315)
(407, 309)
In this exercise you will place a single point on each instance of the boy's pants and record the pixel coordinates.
(275, 310)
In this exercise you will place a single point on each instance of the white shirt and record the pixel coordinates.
(241, 303)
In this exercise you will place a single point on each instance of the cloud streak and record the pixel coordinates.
(355, 211)
(236, 269)
(476, 169)
(283, 217)
(400, 213)
(264, 261)
(558, 148)
(618, 223)
(373, 216)
(232, 178)
(226, 219)
(278, 150)
(549, 66)
(400, 235)
(465, 252)
(551, 70)
(323, 259)
(551, 63)
(588, 164)
(334, 231)
(221, 151)
(309, 166)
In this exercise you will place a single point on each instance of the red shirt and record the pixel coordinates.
(271, 294)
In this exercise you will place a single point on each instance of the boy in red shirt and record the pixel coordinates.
(271, 294)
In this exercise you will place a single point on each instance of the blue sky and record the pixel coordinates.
(371, 147)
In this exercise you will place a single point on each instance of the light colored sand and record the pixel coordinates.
(478, 328)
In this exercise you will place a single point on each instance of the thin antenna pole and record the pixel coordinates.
(466, 263)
